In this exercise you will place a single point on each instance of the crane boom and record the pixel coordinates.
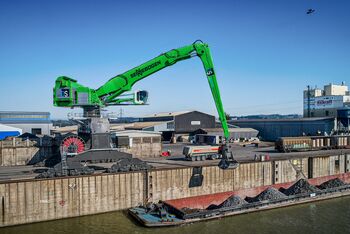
(68, 93)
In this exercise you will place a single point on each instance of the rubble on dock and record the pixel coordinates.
(267, 194)
(331, 184)
(302, 186)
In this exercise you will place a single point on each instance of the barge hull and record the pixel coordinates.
(188, 214)
(274, 206)
(141, 217)
(203, 201)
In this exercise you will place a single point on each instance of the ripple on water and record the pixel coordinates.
(331, 216)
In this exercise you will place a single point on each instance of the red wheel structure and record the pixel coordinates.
(72, 145)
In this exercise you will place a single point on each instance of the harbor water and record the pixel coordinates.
(330, 216)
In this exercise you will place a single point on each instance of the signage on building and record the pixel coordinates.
(328, 102)
(324, 102)
(195, 122)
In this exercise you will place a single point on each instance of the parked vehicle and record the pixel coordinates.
(308, 143)
(247, 141)
(201, 152)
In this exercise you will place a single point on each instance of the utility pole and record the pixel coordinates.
(121, 113)
(308, 101)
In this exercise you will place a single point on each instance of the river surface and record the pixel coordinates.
(331, 216)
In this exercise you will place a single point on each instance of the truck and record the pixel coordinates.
(202, 152)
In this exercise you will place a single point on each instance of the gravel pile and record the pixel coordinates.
(301, 186)
(229, 202)
(331, 184)
(233, 201)
(267, 194)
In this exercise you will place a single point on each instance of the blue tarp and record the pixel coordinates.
(5, 134)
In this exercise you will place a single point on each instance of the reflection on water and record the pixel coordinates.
(332, 216)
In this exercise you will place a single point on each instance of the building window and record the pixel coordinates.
(170, 125)
(327, 113)
(36, 131)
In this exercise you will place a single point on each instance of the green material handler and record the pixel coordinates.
(68, 93)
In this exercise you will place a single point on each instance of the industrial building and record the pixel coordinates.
(186, 123)
(157, 126)
(142, 144)
(235, 133)
(37, 123)
(272, 129)
(174, 124)
(326, 102)
(325, 111)
(170, 124)
(8, 131)
(343, 117)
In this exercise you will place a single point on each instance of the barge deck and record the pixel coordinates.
(174, 214)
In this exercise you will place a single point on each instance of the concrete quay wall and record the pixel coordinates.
(15, 151)
(175, 183)
(41, 200)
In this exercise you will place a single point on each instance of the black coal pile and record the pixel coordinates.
(213, 207)
(282, 190)
(267, 194)
(129, 164)
(331, 184)
(187, 210)
(229, 202)
(300, 187)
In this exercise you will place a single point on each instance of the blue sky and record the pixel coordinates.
(265, 52)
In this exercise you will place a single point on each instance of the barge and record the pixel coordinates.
(206, 207)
